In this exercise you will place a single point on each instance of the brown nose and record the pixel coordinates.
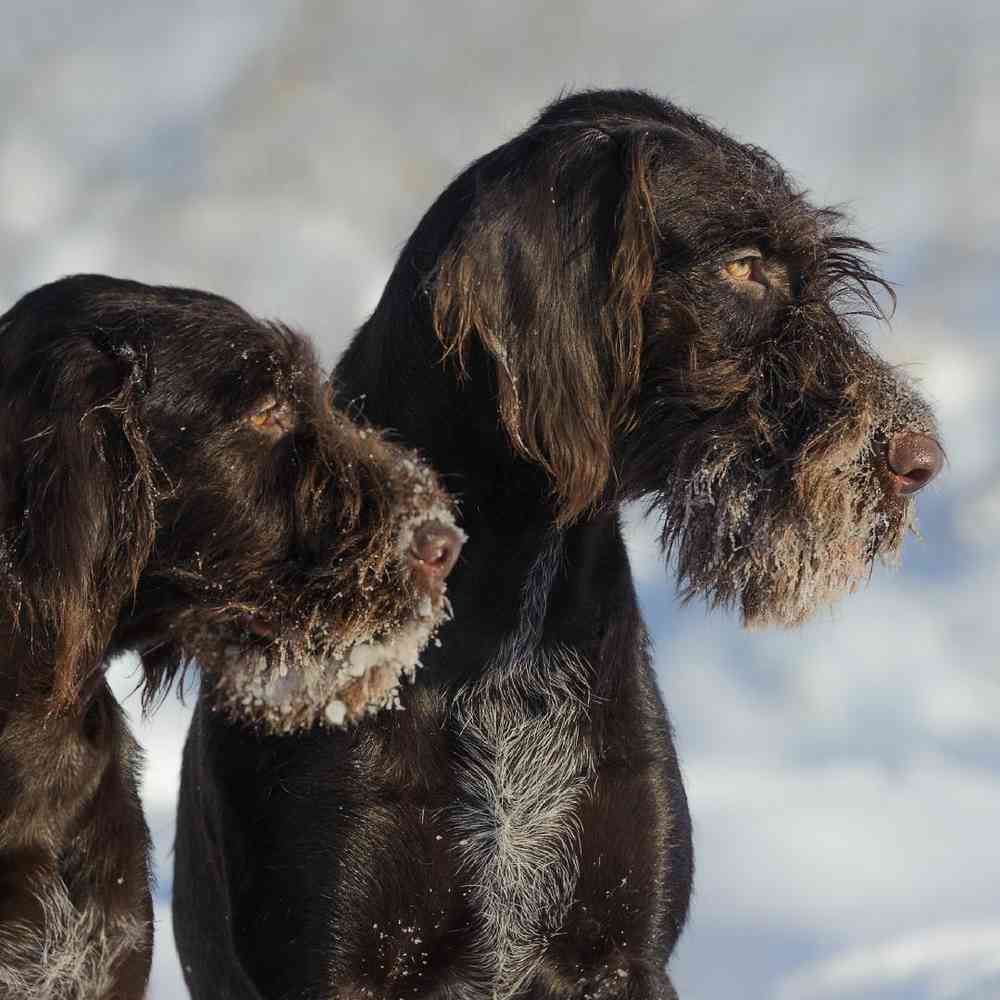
(434, 550)
(914, 460)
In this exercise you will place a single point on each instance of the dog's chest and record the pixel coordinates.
(522, 764)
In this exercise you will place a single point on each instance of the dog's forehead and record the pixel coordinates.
(175, 324)
(705, 186)
(220, 362)
(244, 350)
(737, 190)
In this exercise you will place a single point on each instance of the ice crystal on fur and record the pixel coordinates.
(336, 677)
(288, 688)
(782, 542)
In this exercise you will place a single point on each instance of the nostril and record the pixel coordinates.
(435, 548)
(914, 460)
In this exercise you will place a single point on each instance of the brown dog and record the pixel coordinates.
(621, 302)
(173, 480)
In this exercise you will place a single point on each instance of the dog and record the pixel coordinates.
(174, 481)
(621, 303)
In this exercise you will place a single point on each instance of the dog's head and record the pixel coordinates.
(670, 318)
(175, 481)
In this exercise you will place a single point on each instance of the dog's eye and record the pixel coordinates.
(272, 417)
(740, 269)
(746, 267)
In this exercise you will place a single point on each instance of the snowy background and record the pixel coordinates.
(844, 778)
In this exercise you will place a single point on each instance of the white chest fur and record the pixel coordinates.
(523, 765)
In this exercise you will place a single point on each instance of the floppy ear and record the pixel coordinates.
(550, 271)
(76, 499)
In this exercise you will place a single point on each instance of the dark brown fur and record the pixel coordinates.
(173, 480)
(772, 416)
(621, 302)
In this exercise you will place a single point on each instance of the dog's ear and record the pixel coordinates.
(549, 272)
(76, 499)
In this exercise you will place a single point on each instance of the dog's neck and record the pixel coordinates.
(25, 676)
(394, 375)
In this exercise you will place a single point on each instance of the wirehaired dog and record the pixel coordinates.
(173, 480)
(622, 302)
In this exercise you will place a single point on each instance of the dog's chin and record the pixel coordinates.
(742, 541)
(287, 685)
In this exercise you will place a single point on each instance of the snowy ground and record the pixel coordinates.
(844, 778)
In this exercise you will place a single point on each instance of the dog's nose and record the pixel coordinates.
(434, 550)
(914, 460)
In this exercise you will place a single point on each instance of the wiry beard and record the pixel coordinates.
(293, 685)
(330, 640)
(778, 548)
(779, 501)
(348, 655)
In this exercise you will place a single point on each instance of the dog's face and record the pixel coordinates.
(226, 511)
(787, 450)
(694, 318)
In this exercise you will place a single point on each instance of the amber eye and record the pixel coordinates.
(272, 416)
(741, 269)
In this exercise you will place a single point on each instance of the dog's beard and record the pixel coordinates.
(781, 544)
(331, 674)
(288, 685)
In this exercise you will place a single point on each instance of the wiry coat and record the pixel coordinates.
(622, 302)
(173, 480)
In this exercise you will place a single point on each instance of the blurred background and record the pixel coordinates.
(844, 777)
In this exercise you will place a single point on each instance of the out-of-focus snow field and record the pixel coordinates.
(844, 778)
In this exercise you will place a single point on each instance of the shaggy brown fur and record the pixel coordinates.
(75, 910)
(750, 410)
(174, 480)
(621, 302)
